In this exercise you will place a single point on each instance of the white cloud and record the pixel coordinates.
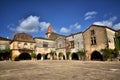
(90, 15)
(64, 30)
(116, 26)
(30, 24)
(75, 26)
(108, 22)
(43, 26)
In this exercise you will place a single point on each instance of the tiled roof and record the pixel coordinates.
(43, 38)
(74, 34)
(50, 29)
(2, 38)
(23, 37)
(100, 26)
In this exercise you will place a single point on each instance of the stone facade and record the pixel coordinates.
(97, 38)
(91, 40)
(4, 43)
(44, 46)
(22, 43)
(60, 47)
(76, 42)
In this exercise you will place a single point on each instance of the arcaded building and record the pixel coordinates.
(22, 46)
(92, 40)
(44, 46)
(96, 38)
(76, 43)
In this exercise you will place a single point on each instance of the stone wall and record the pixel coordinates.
(78, 41)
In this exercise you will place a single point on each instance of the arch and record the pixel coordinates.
(39, 56)
(24, 56)
(47, 56)
(75, 56)
(96, 56)
(63, 57)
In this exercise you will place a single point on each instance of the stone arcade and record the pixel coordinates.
(92, 40)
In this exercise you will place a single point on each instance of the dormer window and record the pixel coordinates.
(25, 45)
(31, 46)
(18, 44)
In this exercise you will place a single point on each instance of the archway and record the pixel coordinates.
(47, 56)
(39, 56)
(75, 56)
(63, 57)
(96, 56)
(24, 56)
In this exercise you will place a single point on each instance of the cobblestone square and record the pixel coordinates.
(59, 70)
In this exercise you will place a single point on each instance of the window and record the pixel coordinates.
(60, 45)
(2, 47)
(45, 44)
(25, 45)
(93, 40)
(18, 45)
(31, 46)
(92, 32)
(72, 44)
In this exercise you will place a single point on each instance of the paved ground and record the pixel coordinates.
(59, 70)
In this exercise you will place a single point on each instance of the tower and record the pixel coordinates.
(49, 31)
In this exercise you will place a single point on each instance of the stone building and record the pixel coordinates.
(50, 34)
(60, 47)
(22, 46)
(98, 37)
(4, 48)
(43, 47)
(92, 40)
(4, 43)
(76, 43)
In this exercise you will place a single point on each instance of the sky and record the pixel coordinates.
(65, 16)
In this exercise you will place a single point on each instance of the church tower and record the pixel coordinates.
(49, 31)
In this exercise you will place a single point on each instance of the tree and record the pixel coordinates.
(5, 54)
(43, 56)
(52, 53)
(33, 55)
(81, 54)
(68, 54)
(109, 54)
(61, 55)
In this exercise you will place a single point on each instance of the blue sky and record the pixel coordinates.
(65, 16)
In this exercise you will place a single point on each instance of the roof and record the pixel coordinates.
(2, 38)
(50, 29)
(43, 38)
(23, 37)
(58, 34)
(99, 26)
(74, 34)
(118, 33)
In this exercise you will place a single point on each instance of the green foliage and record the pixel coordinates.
(81, 53)
(52, 53)
(60, 54)
(7, 53)
(33, 55)
(109, 54)
(68, 54)
(17, 59)
(43, 55)
(117, 41)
